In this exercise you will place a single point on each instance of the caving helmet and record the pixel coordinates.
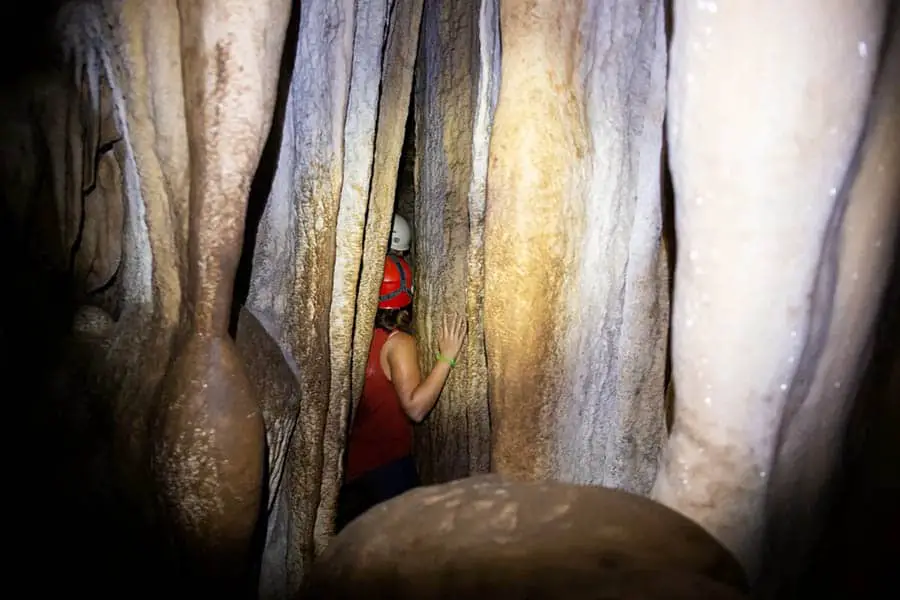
(400, 235)
(397, 286)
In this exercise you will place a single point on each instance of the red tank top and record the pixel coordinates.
(381, 431)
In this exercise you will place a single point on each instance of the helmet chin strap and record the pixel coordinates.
(405, 285)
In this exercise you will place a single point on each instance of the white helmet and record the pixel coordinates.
(400, 235)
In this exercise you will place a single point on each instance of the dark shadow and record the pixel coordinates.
(75, 538)
(855, 556)
(667, 199)
(25, 29)
(37, 306)
(404, 199)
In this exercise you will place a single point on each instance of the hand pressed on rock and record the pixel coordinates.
(451, 336)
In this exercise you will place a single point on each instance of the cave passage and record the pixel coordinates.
(547, 161)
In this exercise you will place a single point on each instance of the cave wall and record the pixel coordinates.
(538, 219)
(549, 401)
(316, 269)
(785, 255)
(455, 79)
(319, 259)
(576, 295)
(117, 196)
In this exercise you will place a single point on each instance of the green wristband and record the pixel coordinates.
(449, 361)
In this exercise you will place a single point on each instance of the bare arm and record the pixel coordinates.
(417, 397)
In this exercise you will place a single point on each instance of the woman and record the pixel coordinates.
(379, 449)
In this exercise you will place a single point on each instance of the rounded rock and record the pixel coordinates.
(494, 538)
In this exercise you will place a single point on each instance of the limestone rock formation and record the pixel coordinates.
(486, 537)
(196, 202)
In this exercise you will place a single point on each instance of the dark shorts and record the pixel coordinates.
(375, 487)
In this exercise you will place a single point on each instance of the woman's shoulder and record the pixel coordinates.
(401, 336)
(400, 339)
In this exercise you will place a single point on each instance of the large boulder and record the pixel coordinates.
(487, 537)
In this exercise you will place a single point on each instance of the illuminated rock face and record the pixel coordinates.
(782, 213)
(576, 289)
(540, 212)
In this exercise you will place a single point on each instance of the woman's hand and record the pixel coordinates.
(451, 336)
